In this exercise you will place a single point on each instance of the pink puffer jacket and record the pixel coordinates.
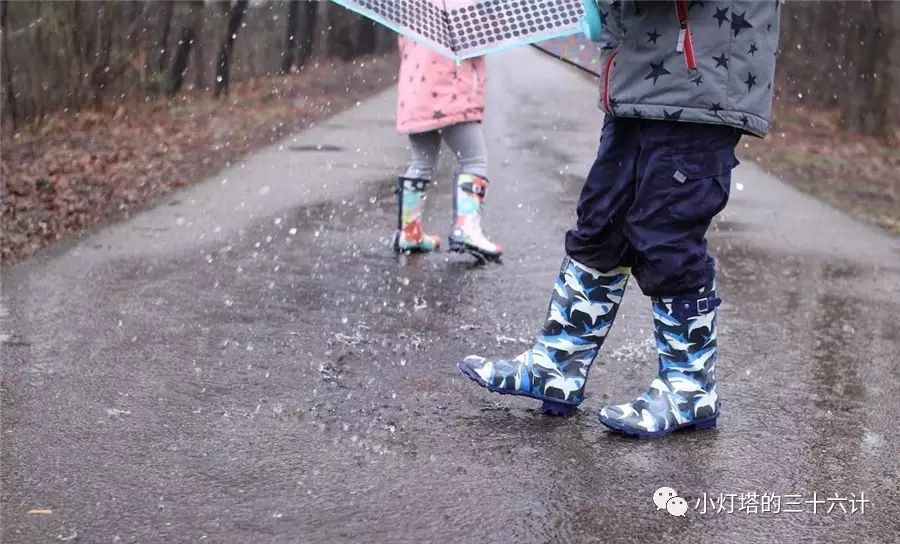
(436, 92)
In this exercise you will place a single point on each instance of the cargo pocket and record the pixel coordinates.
(701, 183)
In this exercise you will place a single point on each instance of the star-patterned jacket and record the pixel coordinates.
(694, 61)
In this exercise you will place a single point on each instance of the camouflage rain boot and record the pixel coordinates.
(409, 237)
(683, 396)
(467, 236)
(555, 368)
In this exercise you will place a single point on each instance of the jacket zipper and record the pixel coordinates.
(607, 74)
(685, 44)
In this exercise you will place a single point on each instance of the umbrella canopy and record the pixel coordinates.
(461, 29)
(576, 50)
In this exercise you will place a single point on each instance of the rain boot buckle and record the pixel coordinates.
(687, 307)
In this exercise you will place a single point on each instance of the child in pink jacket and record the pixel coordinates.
(439, 99)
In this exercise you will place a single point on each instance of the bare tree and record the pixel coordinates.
(223, 70)
(290, 37)
(10, 94)
(366, 37)
(163, 44)
(866, 103)
(307, 32)
(185, 43)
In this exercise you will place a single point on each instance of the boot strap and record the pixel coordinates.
(411, 184)
(472, 188)
(692, 306)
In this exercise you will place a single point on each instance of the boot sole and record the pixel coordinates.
(551, 406)
(697, 425)
(456, 246)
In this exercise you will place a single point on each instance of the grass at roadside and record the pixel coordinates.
(807, 149)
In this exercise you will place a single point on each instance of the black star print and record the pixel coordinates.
(637, 113)
(721, 15)
(653, 36)
(753, 49)
(608, 46)
(616, 4)
(613, 104)
(722, 61)
(438, 114)
(674, 116)
(716, 108)
(744, 120)
(751, 81)
(657, 70)
(697, 80)
(769, 26)
(738, 23)
(695, 3)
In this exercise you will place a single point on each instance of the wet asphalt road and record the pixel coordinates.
(248, 362)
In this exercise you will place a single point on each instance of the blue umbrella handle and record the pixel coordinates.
(592, 21)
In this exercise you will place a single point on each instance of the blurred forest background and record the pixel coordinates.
(103, 53)
(100, 54)
(106, 105)
(836, 124)
(841, 55)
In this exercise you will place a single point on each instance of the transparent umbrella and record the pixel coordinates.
(460, 29)
(576, 50)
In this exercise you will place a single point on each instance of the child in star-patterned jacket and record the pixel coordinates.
(682, 82)
(440, 100)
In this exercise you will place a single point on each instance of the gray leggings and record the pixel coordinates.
(466, 140)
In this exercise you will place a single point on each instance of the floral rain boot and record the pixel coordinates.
(409, 237)
(582, 309)
(683, 396)
(467, 236)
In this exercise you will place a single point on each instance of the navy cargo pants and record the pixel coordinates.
(649, 200)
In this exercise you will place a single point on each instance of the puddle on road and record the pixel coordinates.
(315, 147)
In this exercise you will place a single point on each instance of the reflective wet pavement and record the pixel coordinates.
(248, 362)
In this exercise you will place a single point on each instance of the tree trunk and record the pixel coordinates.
(860, 56)
(7, 71)
(290, 37)
(883, 36)
(344, 26)
(307, 32)
(223, 70)
(102, 54)
(367, 38)
(163, 44)
(185, 43)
